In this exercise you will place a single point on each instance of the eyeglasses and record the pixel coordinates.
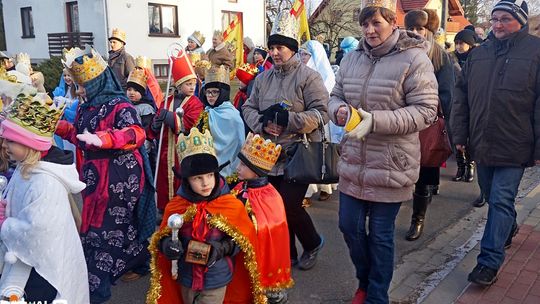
(493, 21)
(212, 93)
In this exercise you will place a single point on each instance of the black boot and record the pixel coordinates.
(479, 201)
(420, 203)
(461, 162)
(469, 172)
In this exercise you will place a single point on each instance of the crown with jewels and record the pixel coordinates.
(197, 37)
(388, 4)
(143, 62)
(138, 76)
(260, 152)
(36, 113)
(218, 74)
(247, 73)
(286, 25)
(83, 64)
(118, 34)
(195, 143)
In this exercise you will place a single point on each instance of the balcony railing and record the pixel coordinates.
(59, 41)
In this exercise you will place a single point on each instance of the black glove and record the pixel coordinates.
(275, 114)
(221, 249)
(172, 250)
(163, 117)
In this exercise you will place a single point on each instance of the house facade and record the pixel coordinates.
(42, 28)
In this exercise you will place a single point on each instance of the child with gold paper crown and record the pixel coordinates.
(265, 207)
(217, 243)
(185, 81)
(36, 219)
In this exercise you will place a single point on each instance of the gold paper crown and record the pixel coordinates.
(119, 35)
(194, 58)
(218, 74)
(92, 63)
(218, 33)
(286, 25)
(138, 76)
(198, 37)
(38, 113)
(195, 143)
(260, 152)
(23, 58)
(143, 62)
(388, 4)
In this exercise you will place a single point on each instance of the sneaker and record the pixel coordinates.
(482, 275)
(309, 258)
(359, 297)
(513, 233)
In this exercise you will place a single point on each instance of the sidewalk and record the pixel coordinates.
(519, 278)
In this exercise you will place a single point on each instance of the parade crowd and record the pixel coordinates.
(201, 192)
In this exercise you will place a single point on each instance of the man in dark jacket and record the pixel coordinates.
(496, 117)
(120, 61)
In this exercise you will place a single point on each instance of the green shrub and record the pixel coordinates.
(52, 71)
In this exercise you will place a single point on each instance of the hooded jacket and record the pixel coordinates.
(496, 110)
(40, 230)
(395, 82)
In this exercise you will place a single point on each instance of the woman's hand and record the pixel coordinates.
(273, 129)
(341, 115)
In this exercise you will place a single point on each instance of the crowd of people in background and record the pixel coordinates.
(207, 166)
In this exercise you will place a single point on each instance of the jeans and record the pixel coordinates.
(500, 187)
(371, 250)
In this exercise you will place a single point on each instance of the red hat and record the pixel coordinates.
(246, 73)
(182, 69)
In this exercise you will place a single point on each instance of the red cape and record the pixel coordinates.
(273, 255)
(229, 216)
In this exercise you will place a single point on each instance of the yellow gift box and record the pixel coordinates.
(353, 120)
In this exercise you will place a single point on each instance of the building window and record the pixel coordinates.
(161, 70)
(162, 20)
(27, 23)
(72, 14)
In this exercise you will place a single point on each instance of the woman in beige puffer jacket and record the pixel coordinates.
(389, 81)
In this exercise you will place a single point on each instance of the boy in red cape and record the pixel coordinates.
(184, 80)
(229, 273)
(265, 207)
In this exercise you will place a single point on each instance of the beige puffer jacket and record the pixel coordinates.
(396, 83)
(303, 88)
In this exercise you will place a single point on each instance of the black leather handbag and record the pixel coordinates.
(312, 162)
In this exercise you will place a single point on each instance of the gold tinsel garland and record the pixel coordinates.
(204, 119)
(219, 222)
(250, 260)
(154, 292)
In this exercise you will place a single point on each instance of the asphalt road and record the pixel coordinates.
(332, 279)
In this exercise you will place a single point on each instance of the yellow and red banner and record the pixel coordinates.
(299, 11)
(234, 37)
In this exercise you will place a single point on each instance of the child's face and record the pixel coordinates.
(67, 79)
(188, 87)
(202, 184)
(15, 151)
(191, 45)
(257, 57)
(212, 95)
(133, 95)
(244, 172)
